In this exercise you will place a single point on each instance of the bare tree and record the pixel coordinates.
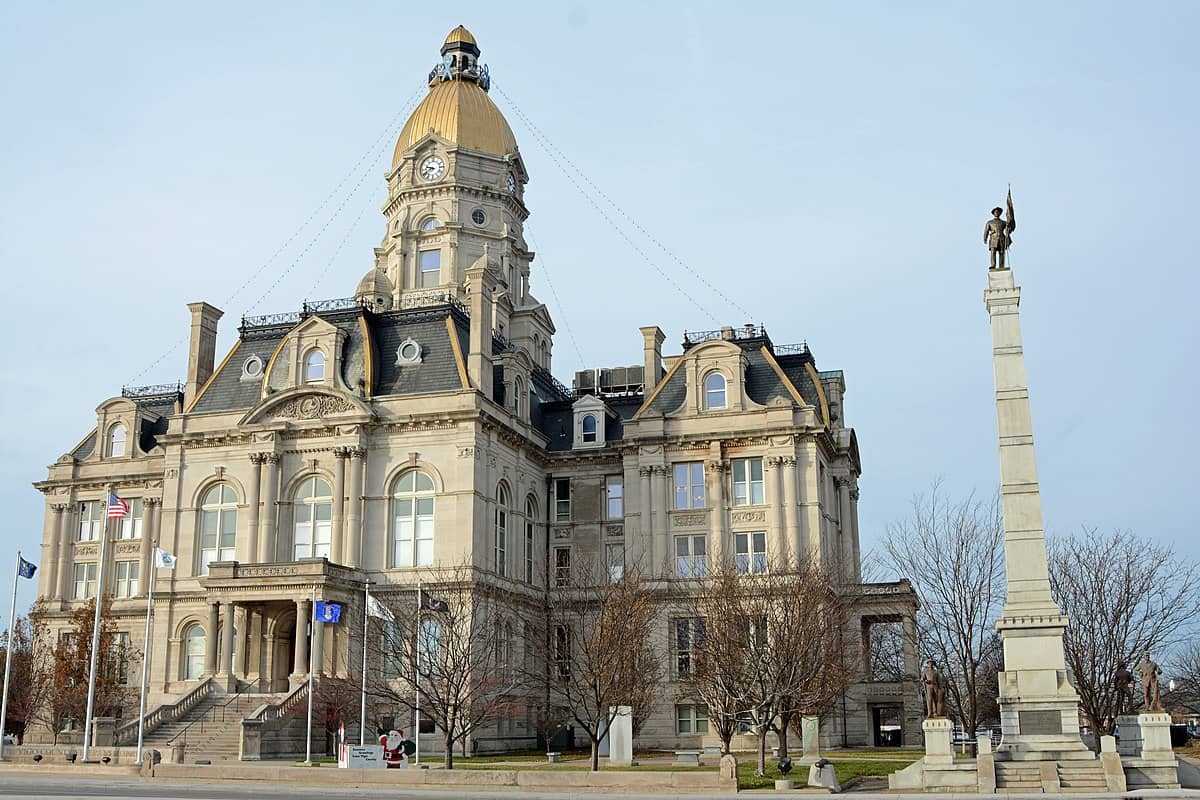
(64, 671)
(1124, 595)
(597, 652)
(457, 650)
(952, 554)
(30, 671)
(1185, 671)
(771, 648)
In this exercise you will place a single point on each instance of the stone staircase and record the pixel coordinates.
(1082, 776)
(212, 729)
(1018, 776)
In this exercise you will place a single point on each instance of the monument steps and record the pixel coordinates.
(1019, 776)
(1082, 776)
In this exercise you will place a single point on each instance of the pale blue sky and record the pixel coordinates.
(828, 167)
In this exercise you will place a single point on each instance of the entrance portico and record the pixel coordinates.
(262, 613)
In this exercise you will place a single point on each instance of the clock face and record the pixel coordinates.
(433, 168)
(512, 184)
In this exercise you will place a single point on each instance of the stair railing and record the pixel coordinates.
(212, 716)
(165, 712)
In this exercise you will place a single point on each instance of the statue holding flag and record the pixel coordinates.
(997, 233)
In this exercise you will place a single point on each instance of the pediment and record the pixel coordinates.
(304, 404)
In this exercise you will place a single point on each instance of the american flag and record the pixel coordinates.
(117, 507)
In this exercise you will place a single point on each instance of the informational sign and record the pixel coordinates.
(354, 756)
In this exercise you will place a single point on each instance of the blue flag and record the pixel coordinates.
(24, 568)
(329, 612)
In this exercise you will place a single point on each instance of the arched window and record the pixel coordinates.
(431, 224)
(589, 428)
(412, 512)
(193, 653)
(314, 366)
(530, 522)
(501, 540)
(218, 526)
(116, 441)
(313, 510)
(714, 390)
(518, 394)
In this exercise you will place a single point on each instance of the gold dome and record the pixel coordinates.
(461, 112)
(460, 34)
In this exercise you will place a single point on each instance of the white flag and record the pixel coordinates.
(164, 559)
(379, 610)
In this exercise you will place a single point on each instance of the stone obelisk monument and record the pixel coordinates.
(1039, 709)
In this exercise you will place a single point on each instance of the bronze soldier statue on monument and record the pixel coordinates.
(934, 683)
(1151, 695)
(997, 233)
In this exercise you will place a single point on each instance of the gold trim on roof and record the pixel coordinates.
(212, 378)
(460, 112)
(460, 34)
(816, 379)
(791, 387)
(368, 357)
(458, 356)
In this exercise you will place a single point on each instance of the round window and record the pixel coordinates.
(409, 352)
(253, 367)
(478, 217)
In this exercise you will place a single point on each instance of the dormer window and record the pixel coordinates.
(116, 441)
(714, 391)
(314, 367)
(589, 429)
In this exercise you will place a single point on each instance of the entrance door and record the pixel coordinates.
(886, 722)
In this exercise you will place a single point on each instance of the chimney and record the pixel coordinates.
(482, 283)
(652, 339)
(202, 351)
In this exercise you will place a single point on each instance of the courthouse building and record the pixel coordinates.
(418, 424)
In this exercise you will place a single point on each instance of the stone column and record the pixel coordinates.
(647, 518)
(318, 648)
(855, 549)
(210, 639)
(777, 543)
(797, 546)
(66, 553)
(150, 509)
(226, 666)
(338, 548)
(809, 511)
(58, 550)
(270, 514)
(253, 502)
(845, 549)
(662, 521)
(718, 548)
(300, 661)
(264, 646)
(354, 528)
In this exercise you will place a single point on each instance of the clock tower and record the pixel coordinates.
(456, 192)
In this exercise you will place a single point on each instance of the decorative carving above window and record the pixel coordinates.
(312, 406)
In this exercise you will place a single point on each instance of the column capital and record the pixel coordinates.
(257, 458)
(716, 467)
(645, 472)
(341, 453)
(854, 492)
(151, 501)
(59, 508)
(358, 452)
(270, 458)
(661, 470)
(772, 462)
(787, 461)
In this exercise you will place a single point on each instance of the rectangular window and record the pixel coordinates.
(562, 566)
(689, 485)
(529, 549)
(562, 499)
(131, 525)
(119, 665)
(689, 633)
(501, 543)
(614, 493)
(691, 556)
(390, 645)
(562, 651)
(85, 581)
(414, 532)
(748, 482)
(91, 520)
(614, 556)
(127, 578)
(750, 552)
(431, 268)
(691, 719)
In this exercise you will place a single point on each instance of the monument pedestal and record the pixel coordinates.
(938, 750)
(810, 736)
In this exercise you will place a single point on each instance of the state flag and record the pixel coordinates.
(25, 568)
(330, 613)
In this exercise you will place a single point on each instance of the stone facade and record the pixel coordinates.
(386, 437)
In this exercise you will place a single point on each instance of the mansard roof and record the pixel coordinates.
(370, 360)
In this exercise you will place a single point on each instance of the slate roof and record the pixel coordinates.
(437, 372)
(85, 447)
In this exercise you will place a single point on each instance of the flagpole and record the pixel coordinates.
(417, 683)
(146, 655)
(312, 639)
(362, 704)
(12, 623)
(91, 695)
